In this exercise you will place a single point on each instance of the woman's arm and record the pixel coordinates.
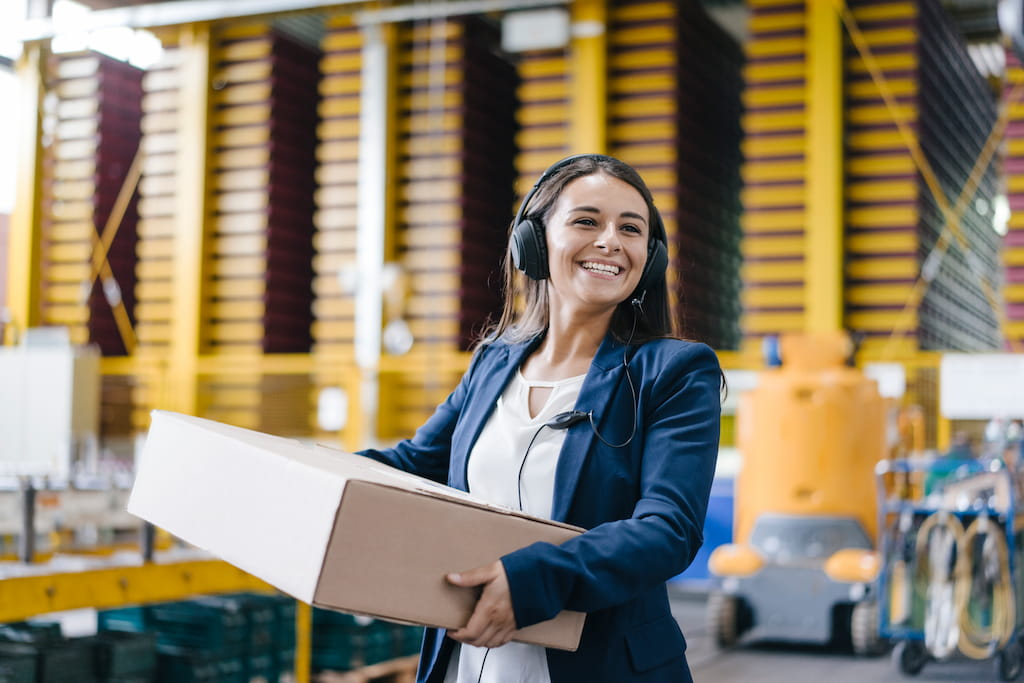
(615, 561)
(428, 452)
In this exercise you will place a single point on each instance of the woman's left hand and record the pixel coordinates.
(493, 620)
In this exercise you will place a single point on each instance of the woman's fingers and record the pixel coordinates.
(493, 620)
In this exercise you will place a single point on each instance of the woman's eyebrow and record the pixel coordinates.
(594, 209)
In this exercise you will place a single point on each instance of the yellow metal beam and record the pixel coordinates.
(22, 597)
(824, 179)
(588, 114)
(190, 233)
(303, 642)
(24, 260)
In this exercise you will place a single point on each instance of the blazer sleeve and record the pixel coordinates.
(428, 452)
(616, 561)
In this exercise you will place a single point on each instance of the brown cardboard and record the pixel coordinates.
(331, 528)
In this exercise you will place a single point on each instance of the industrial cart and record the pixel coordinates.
(950, 581)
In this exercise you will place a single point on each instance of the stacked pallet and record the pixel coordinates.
(96, 131)
(774, 171)
(543, 113)
(957, 313)
(708, 235)
(456, 129)
(893, 220)
(258, 291)
(882, 188)
(96, 135)
(643, 65)
(158, 206)
(1013, 241)
(337, 194)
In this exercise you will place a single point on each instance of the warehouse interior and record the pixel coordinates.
(290, 216)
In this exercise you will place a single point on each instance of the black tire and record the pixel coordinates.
(864, 635)
(910, 656)
(723, 618)
(1010, 662)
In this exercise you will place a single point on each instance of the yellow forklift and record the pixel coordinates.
(803, 565)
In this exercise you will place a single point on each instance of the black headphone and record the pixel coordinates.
(530, 249)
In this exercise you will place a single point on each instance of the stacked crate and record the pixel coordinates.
(882, 182)
(893, 220)
(258, 293)
(239, 637)
(674, 84)
(456, 124)
(643, 116)
(543, 114)
(1013, 241)
(957, 313)
(774, 171)
(709, 161)
(95, 119)
(342, 642)
(337, 194)
(95, 124)
(158, 206)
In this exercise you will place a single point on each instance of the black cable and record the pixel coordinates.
(483, 661)
(569, 418)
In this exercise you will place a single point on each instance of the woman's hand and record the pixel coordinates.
(492, 621)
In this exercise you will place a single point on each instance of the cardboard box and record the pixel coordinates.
(331, 528)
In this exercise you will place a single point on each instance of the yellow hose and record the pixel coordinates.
(976, 640)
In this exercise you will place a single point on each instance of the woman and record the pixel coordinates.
(583, 409)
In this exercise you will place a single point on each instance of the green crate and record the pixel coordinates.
(17, 663)
(122, 654)
(67, 661)
(180, 665)
(192, 624)
(31, 632)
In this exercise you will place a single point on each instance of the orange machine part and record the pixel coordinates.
(810, 434)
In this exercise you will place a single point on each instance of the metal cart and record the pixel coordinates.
(950, 581)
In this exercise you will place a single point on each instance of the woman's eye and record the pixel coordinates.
(586, 221)
(629, 227)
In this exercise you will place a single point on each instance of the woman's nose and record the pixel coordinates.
(608, 239)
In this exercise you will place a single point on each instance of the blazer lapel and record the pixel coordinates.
(595, 396)
(493, 379)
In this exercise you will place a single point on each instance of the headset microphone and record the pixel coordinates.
(567, 419)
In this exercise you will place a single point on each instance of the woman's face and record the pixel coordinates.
(597, 242)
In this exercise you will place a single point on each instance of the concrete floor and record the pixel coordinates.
(783, 663)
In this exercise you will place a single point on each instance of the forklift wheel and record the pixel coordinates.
(724, 618)
(910, 656)
(864, 634)
(1010, 661)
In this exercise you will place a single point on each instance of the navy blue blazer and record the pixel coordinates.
(643, 505)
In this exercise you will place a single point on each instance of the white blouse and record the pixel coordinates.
(495, 464)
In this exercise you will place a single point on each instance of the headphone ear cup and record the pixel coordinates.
(657, 264)
(529, 249)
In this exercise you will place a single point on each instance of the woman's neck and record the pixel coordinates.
(568, 347)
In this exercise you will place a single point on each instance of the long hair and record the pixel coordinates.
(628, 324)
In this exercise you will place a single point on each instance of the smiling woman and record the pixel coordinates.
(582, 407)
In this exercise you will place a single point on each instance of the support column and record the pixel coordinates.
(190, 231)
(824, 232)
(372, 214)
(24, 259)
(588, 103)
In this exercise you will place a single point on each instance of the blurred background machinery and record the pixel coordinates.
(802, 565)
